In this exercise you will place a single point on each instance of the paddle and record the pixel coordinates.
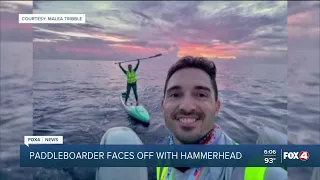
(140, 59)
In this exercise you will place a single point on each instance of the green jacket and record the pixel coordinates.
(226, 173)
(131, 75)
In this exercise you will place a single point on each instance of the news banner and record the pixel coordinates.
(49, 151)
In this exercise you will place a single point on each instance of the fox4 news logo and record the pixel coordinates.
(303, 155)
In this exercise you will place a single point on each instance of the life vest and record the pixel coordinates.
(251, 173)
(131, 77)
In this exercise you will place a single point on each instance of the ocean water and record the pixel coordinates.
(80, 101)
(16, 111)
(303, 103)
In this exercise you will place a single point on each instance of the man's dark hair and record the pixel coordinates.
(195, 62)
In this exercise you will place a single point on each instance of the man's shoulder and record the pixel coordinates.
(272, 173)
(276, 173)
(226, 140)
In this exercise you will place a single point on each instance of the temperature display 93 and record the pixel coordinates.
(270, 156)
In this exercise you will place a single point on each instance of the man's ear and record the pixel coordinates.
(218, 106)
(162, 103)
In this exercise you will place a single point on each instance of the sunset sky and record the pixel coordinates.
(118, 30)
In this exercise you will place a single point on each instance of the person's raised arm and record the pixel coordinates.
(122, 68)
(136, 68)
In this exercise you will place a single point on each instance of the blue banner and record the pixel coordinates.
(172, 156)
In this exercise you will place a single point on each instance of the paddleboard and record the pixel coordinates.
(138, 112)
(121, 135)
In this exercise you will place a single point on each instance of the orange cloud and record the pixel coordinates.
(192, 49)
(300, 18)
(84, 50)
(134, 49)
(303, 24)
(8, 24)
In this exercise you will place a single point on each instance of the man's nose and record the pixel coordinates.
(187, 104)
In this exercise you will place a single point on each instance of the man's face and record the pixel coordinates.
(189, 105)
(129, 67)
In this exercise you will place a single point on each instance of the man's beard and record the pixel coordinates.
(197, 140)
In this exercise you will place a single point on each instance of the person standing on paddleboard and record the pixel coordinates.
(131, 81)
(190, 107)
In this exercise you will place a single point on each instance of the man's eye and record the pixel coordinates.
(202, 95)
(174, 95)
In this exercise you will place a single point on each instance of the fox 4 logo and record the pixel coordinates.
(303, 155)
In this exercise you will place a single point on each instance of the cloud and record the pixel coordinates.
(304, 25)
(72, 27)
(11, 30)
(302, 7)
(83, 48)
(212, 29)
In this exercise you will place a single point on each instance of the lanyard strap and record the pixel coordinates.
(195, 175)
(197, 172)
(205, 140)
